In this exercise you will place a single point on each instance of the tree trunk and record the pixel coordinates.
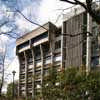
(0, 91)
(2, 81)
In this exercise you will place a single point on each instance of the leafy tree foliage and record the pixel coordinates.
(50, 89)
(10, 90)
(71, 84)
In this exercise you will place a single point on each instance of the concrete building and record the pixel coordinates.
(51, 46)
(74, 39)
(37, 51)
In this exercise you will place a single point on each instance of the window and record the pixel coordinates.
(58, 32)
(40, 37)
(25, 44)
(37, 52)
(64, 27)
(95, 61)
(58, 44)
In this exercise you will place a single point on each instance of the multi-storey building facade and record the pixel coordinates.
(51, 46)
(75, 38)
(37, 51)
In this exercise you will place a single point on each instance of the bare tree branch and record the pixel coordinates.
(3, 58)
(81, 3)
(3, 23)
(95, 14)
(88, 7)
(72, 2)
(8, 33)
(30, 20)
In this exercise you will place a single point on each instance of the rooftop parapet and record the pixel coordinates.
(36, 32)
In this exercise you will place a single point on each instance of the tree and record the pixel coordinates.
(8, 32)
(76, 85)
(73, 84)
(3, 53)
(50, 89)
(4, 63)
(88, 7)
(10, 90)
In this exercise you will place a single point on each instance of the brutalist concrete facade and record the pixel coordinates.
(50, 46)
(37, 52)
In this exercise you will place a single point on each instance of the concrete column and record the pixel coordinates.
(19, 93)
(33, 82)
(42, 64)
(52, 56)
(62, 46)
(88, 49)
(26, 65)
(52, 51)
